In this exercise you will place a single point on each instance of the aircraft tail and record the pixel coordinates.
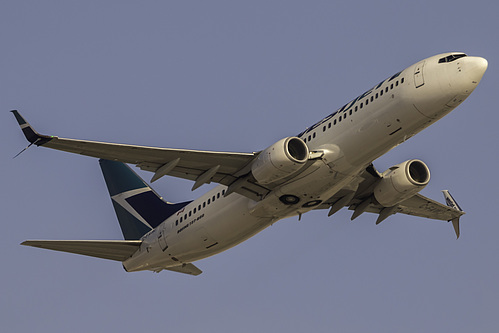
(138, 207)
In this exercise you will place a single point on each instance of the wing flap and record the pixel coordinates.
(105, 249)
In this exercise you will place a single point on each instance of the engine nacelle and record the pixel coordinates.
(283, 158)
(401, 182)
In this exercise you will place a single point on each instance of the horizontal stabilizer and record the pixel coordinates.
(186, 269)
(105, 249)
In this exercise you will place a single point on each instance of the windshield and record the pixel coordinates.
(451, 57)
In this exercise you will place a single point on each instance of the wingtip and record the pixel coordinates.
(450, 201)
(20, 120)
(29, 132)
(455, 224)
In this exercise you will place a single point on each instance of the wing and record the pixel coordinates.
(422, 206)
(105, 249)
(200, 166)
(360, 200)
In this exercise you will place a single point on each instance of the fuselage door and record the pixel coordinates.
(418, 74)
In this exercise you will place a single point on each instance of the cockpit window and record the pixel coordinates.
(451, 58)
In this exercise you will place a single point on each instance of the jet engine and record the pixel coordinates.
(280, 160)
(401, 182)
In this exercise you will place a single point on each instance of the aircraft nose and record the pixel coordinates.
(465, 74)
(476, 69)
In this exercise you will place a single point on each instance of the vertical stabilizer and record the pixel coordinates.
(138, 207)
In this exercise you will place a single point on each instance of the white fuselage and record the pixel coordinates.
(347, 140)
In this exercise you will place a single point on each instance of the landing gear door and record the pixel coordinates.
(418, 74)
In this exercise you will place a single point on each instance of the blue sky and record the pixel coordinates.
(238, 76)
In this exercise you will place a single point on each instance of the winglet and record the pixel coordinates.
(455, 224)
(451, 202)
(31, 135)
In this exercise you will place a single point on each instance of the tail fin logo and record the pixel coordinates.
(138, 208)
(121, 199)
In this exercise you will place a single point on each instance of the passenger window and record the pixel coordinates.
(391, 86)
(213, 199)
(372, 98)
(350, 112)
(361, 105)
(190, 213)
(209, 200)
(204, 204)
(329, 125)
(223, 192)
(344, 116)
(324, 129)
(402, 80)
(313, 135)
(334, 123)
(194, 210)
(386, 89)
(218, 196)
(176, 222)
(376, 95)
(381, 92)
(396, 83)
(356, 108)
(339, 119)
(367, 101)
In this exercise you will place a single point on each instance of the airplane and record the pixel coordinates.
(328, 166)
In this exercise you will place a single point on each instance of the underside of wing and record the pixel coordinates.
(152, 158)
(200, 166)
(105, 249)
(360, 199)
(419, 205)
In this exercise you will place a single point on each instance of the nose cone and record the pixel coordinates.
(476, 68)
(465, 74)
